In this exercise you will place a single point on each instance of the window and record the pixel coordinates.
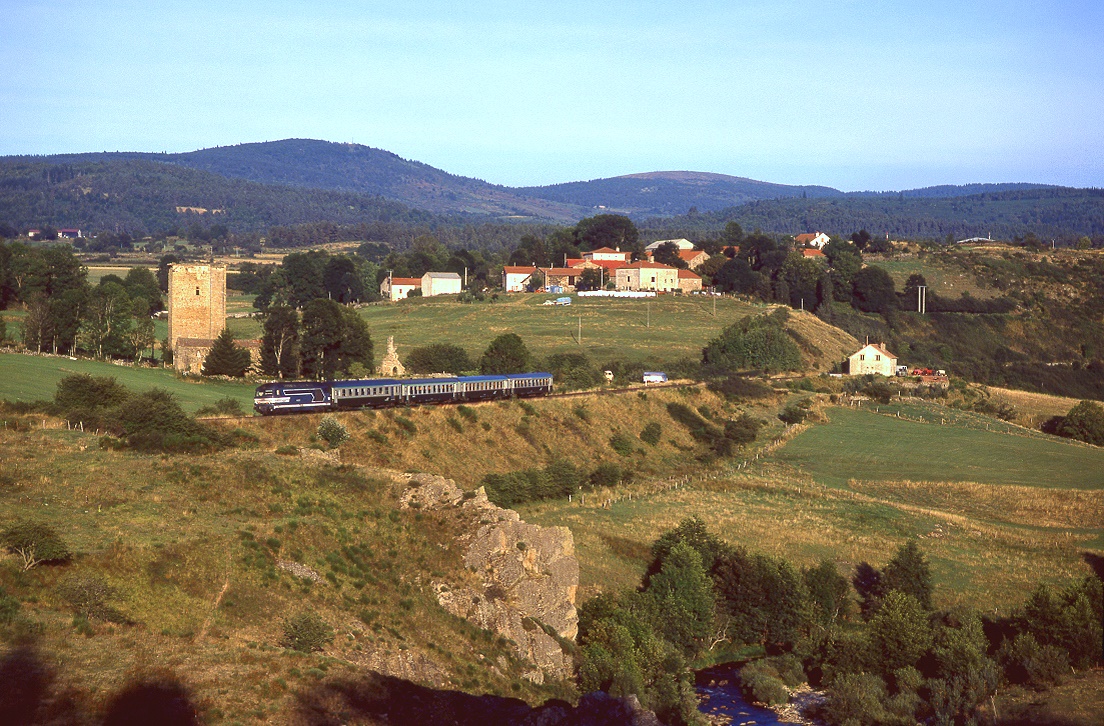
(197, 291)
(877, 357)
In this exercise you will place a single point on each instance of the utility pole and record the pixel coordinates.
(649, 314)
(579, 336)
(922, 299)
(714, 307)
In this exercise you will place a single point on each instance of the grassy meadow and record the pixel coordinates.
(996, 510)
(35, 378)
(654, 330)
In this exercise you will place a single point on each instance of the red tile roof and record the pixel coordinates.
(606, 250)
(610, 264)
(806, 237)
(687, 255)
(559, 271)
(416, 281)
(812, 253)
(518, 270)
(687, 275)
(575, 262)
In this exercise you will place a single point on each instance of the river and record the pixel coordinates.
(720, 698)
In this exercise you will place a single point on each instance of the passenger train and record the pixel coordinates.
(314, 396)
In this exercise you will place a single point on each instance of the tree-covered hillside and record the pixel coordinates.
(1059, 213)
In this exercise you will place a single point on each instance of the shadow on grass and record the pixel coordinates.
(386, 699)
(165, 703)
(27, 692)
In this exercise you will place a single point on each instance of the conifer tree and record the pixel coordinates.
(908, 572)
(225, 358)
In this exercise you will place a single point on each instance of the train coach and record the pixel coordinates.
(315, 396)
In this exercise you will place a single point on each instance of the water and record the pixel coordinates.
(723, 697)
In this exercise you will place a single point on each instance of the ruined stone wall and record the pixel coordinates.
(197, 302)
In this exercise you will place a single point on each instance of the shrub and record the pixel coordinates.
(795, 413)
(1030, 664)
(856, 698)
(333, 432)
(582, 412)
(753, 343)
(82, 391)
(622, 443)
(35, 543)
(307, 632)
(467, 412)
(89, 595)
(288, 450)
(9, 607)
(605, 475)
(455, 424)
(1084, 422)
(763, 688)
(407, 425)
(153, 421)
(651, 433)
(439, 358)
(223, 407)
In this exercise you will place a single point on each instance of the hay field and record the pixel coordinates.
(660, 329)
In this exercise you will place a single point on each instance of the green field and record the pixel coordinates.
(944, 279)
(664, 328)
(867, 446)
(34, 378)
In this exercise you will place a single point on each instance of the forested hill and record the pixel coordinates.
(299, 181)
(353, 168)
(668, 193)
(1057, 212)
(137, 195)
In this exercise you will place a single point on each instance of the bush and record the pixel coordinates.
(856, 698)
(651, 433)
(1084, 422)
(9, 607)
(34, 543)
(764, 688)
(288, 450)
(439, 358)
(754, 343)
(333, 432)
(1027, 663)
(795, 413)
(307, 632)
(622, 443)
(153, 421)
(467, 412)
(89, 595)
(223, 407)
(84, 392)
(605, 475)
(741, 388)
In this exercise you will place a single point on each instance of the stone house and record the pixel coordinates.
(398, 288)
(643, 275)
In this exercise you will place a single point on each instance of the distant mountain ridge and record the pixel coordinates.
(303, 180)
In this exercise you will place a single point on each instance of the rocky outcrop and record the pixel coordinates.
(528, 575)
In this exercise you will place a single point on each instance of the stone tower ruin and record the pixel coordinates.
(197, 312)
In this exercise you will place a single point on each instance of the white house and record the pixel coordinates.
(872, 358)
(683, 244)
(398, 288)
(516, 278)
(440, 283)
(605, 253)
(812, 239)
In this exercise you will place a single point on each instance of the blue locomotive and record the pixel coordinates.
(314, 396)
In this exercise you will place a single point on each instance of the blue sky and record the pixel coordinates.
(855, 95)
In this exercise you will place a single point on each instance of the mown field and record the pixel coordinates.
(655, 330)
(996, 511)
(35, 378)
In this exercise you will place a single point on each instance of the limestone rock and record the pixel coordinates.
(529, 575)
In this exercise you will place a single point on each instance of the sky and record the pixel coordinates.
(876, 95)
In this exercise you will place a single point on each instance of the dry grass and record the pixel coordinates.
(1033, 409)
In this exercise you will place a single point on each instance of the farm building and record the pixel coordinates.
(689, 281)
(648, 276)
(682, 244)
(692, 258)
(812, 239)
(440, 283)
(605, 253)
(560, 278)
(398, 288)
(872, 358)
(516, 278)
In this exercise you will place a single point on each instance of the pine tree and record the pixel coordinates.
(225, 358)
(908, 572)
